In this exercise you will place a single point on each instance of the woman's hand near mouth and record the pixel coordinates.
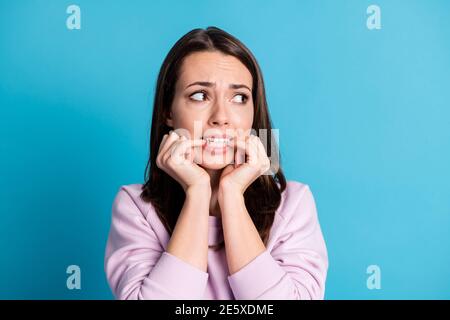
(250, 162)
(175, 157)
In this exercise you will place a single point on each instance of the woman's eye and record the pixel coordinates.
(240, 98)
(198, 96)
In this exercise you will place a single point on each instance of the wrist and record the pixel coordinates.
(229, 186)
(229, 192)
(200, 191)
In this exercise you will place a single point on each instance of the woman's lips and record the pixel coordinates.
(217, 145)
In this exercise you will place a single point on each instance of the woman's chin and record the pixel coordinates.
(213, 166)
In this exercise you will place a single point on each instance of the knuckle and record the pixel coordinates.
(170, 162)
(164, 159)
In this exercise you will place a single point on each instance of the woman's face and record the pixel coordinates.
(213, 99)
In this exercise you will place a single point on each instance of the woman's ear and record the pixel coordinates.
(169, 121)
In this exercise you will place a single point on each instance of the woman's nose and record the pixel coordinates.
(219, 116)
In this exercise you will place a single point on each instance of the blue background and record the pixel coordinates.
(363, 116)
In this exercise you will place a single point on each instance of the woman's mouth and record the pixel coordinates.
(217, 145)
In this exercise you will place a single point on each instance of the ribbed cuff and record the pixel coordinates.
(179, 277)
(256, 277)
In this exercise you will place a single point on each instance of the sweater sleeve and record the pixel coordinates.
(297, 265)
(136, 265)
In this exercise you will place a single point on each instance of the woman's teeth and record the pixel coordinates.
(217, 142)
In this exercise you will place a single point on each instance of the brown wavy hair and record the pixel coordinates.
(263, 196)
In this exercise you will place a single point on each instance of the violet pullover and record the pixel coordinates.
(293, 266)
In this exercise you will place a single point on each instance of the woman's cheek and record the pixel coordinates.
(243, 117)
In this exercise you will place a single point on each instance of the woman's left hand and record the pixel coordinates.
(250, 161)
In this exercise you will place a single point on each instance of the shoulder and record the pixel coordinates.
(128, 199)
(297, 207)
(295, 193)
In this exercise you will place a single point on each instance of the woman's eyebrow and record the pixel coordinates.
(211, 84)
(238, 86)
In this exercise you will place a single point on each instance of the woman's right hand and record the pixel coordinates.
(175, 157)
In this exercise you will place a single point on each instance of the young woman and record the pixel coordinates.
(213, 220)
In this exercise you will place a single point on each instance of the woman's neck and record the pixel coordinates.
(214, 175)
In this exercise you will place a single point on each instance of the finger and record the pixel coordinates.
(263, 159)
(184, 146)
(163, 141)
(261, 149)
(184, 153)
(239, 155)
(252, 150)
(195, 144)
(240, 146)
(179, 149)
(172, 137)
(246, 151)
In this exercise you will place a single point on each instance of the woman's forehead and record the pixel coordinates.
(214, 67)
